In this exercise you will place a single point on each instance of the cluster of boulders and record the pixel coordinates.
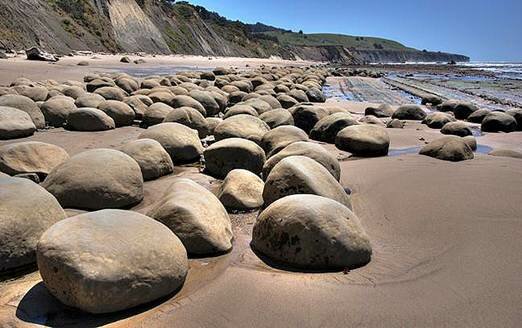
(251, 129)
(343, 71)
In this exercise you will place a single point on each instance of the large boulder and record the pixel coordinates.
(308, 149)
(119, 111)
(463, 110)
(324, 234)
(449, 148)
(327, 128)
(156, 114)
(35, 93)
(196, 216)
(111, 93)
(458, 128)
(31, 157)
(187, 101)
(498, 122)
(90, 100)
(27, 105)
(190, 117)
(15, 123)
(242, 126)
(306, 116)
(277, 117)
(383, 110)
(233, 153)
(276, 139)
(206, 100)
(302, 175)
(436, 120)
(517, 115)
(57, 109)
(315, 95)
(153, 159)
(181, 142)
(239, 109)
(287, 101)
(478, 115)
(110, 260)
(363, 140)
(448, 105)
(89, 119)
(409, 112)
(96, 179)
(241, 190)
(26, 211)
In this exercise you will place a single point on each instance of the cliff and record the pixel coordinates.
(162, 26)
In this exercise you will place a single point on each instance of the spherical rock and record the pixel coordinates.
(409, 112)
(111, 93)
(324, 234)
(26, 211)
(125, 270)
(187, 101)
(96, 179)
(31, 157)
(363, 140)
(233, 153)
(328, 127)
(206, 100)
(196, 216)
(153, 159)
(241, 190)
(277, 117)
(315, 95)
(306, 116)
(242, 126)
(450, 148)
(190, 117)
(89, 119)
(498, 122)
(181, 142)
(119, 111)
(383, 110)
(517, 115)
(458, 128)
(463, 110)
(24, 104)
(395, 124)
(437, 120)
(302, 175)
(15, 123)
(276, 139)
(156, 114)
(478, 115)
(308, 149)
(91, 100)
(57, 109)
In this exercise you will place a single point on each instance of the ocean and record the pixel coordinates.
(506, 70)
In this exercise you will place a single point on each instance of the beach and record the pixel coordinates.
(446, 236)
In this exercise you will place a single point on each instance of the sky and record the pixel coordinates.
(482, 29)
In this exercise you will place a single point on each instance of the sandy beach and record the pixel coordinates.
(446, 236)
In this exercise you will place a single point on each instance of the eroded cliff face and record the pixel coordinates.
(155, 26)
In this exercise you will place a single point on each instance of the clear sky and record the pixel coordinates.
(481, 29)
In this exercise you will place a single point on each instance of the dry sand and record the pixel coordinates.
(67, 67)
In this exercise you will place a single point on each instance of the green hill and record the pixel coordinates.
(327, 39)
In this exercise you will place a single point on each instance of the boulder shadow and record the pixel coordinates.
(38, 306)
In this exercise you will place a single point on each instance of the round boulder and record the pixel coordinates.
(306, 116)
(26, 211)
(119, 111)
(383, 110)
(123, 271)
(233, 153)
(324, 234)
(327, 128)
(190, 117)
(196, 216)
(24, 104)
(498, 122)
(89, 119)
(31, 157)
(450, 148)
(458, 128)
(242, 126)
(409, 112)
(275, 140)
(302, 175)
(181, 142)
(96, 179)
(241, 190)
(57, 109)
(15, 123)
(152, 158)
(437, 120)
(363, 140)
(463, 110)
(277, 117)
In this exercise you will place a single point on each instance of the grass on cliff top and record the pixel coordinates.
(326, 39)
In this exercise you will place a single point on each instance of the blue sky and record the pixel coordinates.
(481, 29)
